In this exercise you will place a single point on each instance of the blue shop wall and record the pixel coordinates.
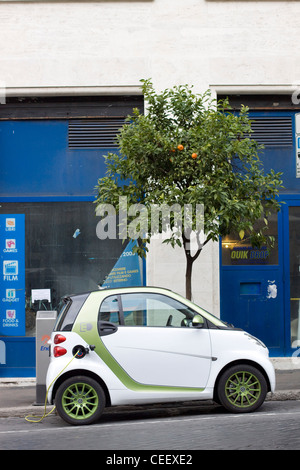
(37, 166)
(52, 154)
(17, 357)
(36, 161)
(279, 152)
(255, 294)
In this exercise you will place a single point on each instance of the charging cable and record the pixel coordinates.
(38, 419)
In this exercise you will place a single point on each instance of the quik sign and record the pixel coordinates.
(12, 265)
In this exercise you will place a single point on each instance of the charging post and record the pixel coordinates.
(45, 321)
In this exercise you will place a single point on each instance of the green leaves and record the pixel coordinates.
(155, 163)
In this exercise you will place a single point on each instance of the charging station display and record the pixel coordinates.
(12, 285)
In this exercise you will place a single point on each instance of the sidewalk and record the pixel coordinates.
(17, 396)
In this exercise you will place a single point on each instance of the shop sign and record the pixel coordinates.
(249, 255)
(12, 285)
(127, 271)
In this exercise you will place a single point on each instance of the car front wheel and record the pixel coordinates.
(242, 389)
(80, 400)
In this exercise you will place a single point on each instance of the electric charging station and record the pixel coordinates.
(45, 321)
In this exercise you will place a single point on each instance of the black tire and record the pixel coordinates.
(242, 389)
(80, 400)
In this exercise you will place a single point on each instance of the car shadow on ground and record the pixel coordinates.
(160, 411)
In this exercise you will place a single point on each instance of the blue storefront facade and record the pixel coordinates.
(260, 290)
(52, 153)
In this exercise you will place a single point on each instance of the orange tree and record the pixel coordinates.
(188, 151)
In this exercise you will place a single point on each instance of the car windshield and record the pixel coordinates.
(212, 318)
(216, 321)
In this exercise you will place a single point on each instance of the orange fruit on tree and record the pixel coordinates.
(194, 155)
(180, 147)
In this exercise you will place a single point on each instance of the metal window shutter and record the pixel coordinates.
(94, 133)
(273, 131)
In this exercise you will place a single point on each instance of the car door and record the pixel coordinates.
(156, 344)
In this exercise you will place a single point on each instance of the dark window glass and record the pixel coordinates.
(70, 309)
(294, 240)
(237, 250)
(62, 251)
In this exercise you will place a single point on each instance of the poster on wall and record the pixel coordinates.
(127, 271)
(12, 285)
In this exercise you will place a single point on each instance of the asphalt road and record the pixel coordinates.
(275, 426)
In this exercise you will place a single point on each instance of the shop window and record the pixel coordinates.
(63, 255)
(237, 251)
(294, 242)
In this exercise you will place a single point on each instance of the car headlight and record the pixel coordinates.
(256, 340)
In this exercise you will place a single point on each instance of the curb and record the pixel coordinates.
(283, 395)
(18, 382)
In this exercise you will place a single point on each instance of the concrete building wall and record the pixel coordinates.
(172, 41)
(166, 268)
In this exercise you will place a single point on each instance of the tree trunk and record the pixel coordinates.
(189, 265)
(188, 277)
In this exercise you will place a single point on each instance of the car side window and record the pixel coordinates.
(134, 309)
(70, 307)
(109, 310)
(155, 310)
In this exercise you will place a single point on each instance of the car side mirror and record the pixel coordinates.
(198, 321)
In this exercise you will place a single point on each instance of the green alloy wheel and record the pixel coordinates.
(242, 389)
(80, 400)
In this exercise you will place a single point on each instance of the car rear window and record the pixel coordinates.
(70, 307)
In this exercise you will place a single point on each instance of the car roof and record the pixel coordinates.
(114, 289)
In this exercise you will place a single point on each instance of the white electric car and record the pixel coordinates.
(144, 345)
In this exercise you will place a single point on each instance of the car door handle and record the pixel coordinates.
(106, 328)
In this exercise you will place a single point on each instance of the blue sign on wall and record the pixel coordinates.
(127, 271)
(12, 285)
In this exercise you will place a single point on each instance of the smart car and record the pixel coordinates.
(144, 345)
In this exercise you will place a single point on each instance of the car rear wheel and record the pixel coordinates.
(80, 400)
(242, 389)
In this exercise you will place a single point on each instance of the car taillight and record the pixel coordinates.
(59, 339)
(59, 351)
